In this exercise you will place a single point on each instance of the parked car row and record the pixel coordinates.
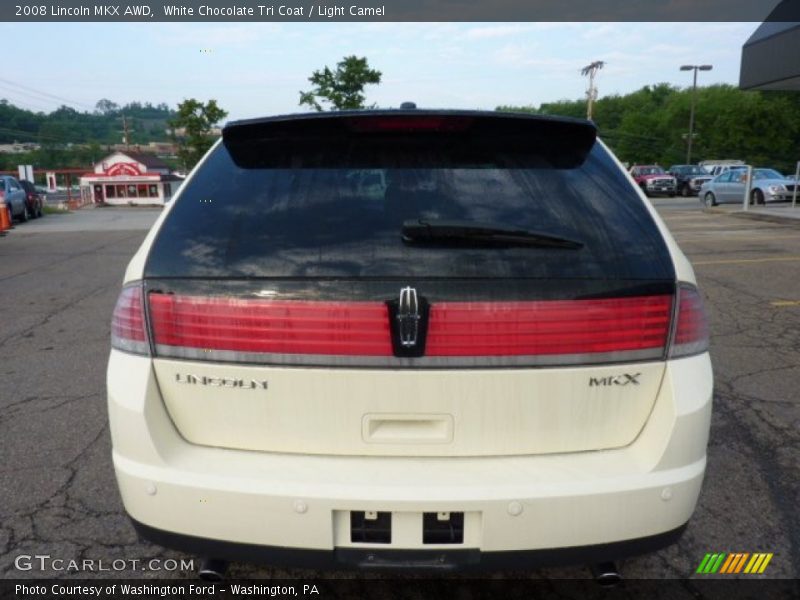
(22, 199)
(726, 182)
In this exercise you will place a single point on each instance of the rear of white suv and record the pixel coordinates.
(492, 355)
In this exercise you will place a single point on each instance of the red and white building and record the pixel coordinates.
(129, 178)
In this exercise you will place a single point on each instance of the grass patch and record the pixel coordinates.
(52, 210)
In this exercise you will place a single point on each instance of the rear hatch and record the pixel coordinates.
(409, 283)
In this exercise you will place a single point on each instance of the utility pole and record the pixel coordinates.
(125, 132)
(694, 68)
(591, 94)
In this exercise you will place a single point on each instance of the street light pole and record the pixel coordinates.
(694, 68)
(591, 93)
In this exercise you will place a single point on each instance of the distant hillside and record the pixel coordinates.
(145, 122)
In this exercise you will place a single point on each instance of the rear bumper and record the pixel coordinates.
(399, 560)
(284, 509)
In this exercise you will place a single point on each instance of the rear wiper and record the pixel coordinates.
(470, 232)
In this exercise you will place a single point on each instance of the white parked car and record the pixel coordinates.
(495, 356)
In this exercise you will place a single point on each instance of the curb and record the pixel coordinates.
(754, 216)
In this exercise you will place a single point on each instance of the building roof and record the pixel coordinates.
(148, 160)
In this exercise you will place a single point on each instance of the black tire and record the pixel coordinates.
(709, 200)
(25, 214)
(757, 197)
(685, 191)
(39, 211)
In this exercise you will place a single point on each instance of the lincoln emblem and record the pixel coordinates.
(408, 317)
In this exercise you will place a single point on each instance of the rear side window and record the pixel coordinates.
(340, 217)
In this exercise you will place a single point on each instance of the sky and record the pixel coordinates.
(258, 69)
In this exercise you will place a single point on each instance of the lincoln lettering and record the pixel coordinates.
(222, 382)
(68, 11)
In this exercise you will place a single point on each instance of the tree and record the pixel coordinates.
(343, 88)
(650, 124)
(105, 106)
(192, 126)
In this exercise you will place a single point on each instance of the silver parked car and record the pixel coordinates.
(768, 186)
(14, 196)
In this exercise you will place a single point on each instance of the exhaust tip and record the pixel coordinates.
(606, 574)
(212, 570)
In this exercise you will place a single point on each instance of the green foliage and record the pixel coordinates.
(55, 157)
(195, 120)
(651, 124)
(343, 88)
(65, 125)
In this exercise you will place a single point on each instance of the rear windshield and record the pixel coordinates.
(345, 222)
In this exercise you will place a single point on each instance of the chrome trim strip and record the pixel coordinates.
(392, 362)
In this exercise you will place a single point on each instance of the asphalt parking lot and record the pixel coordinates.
(59, 279)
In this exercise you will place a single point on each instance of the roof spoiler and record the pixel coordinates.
(398, 138)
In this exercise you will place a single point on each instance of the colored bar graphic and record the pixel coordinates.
(718, 563)
(703, 563)
(730, 564)
(727, 564)
(740, 564)
(734, 563)
(766, 562)
(755, 562)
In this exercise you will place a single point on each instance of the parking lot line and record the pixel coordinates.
(734, 261)
(707, 225)
(734, 237)
(783, 303)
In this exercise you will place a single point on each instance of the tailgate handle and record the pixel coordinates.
(407, 429)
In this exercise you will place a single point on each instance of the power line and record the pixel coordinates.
(34, 106)
(46, 95)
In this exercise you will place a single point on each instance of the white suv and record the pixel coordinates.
(492, 355)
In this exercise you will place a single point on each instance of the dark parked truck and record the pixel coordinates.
(653, 180)
(689, 178)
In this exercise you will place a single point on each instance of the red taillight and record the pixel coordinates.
(636, 325)
(265, 326)
(555, 331)
(691, 329)
(128, 330)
